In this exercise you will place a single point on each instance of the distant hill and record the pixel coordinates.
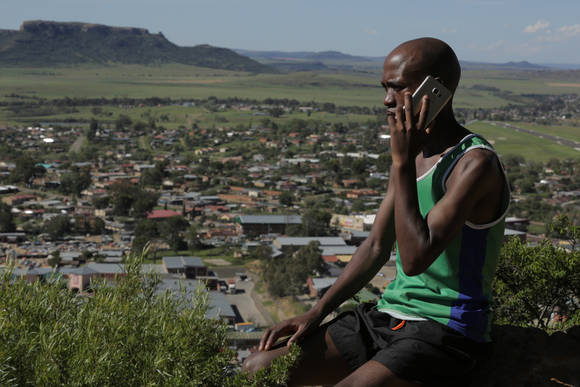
(523, 65)
(41, 43)
(304, 56)
(310, 61)
(305, 60)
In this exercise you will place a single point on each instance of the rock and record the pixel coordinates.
(531, 357)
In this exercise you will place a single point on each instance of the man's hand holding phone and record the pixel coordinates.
(407, 130)
(409, 123)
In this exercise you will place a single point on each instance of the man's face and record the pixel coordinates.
(399, 77)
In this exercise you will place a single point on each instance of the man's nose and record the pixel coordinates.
(389, 99)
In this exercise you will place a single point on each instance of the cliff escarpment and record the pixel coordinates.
(45, 43)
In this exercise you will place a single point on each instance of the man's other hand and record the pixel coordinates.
(297, 327)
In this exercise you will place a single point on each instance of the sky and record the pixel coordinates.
(496, 31)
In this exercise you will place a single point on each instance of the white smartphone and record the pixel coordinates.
(438, 94)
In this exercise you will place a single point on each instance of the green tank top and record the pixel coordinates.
(456, 289)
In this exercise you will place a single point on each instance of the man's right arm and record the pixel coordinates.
(365, 263)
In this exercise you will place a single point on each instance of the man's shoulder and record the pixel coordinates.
(480, 166)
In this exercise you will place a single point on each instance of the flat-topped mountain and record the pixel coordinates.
(41, 43)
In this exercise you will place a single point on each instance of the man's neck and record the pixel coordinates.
(446, 133)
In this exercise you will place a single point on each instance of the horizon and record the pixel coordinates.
(531, 31)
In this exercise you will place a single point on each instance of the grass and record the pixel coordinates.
(180, 81)
(344, 88)
(563, 131)
(507, 141)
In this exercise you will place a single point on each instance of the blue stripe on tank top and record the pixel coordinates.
(469, 313)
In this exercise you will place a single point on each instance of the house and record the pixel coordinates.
(290, 244)
(319, 286)
(338, 253)
(162, 214)
(219, 307)
(190, 267)
(255, 225)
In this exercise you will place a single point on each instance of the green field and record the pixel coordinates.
(360, 88)
(507, 141)
(563, 131)
(345, 88)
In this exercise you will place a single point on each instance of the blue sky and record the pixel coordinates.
(478, 30)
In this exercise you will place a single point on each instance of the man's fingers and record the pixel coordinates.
(264, 339)
(423, 113)
(399, 114)
(391, 122)
(295, 336)
(408, 111)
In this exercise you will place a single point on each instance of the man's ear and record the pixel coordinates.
(440, 80)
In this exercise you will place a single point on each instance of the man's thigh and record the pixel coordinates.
(373, 373)
(319, 364)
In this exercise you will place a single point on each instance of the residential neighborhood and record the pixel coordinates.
(206, 204)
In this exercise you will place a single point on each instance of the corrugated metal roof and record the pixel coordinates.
(180, 262)
(106, 268)
(270, 219)
(303, 241)
(323, 283)
(338, 250)
(218, 306)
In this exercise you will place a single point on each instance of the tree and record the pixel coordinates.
(263, 252)
(143, 202)
(145, 231)
(6, 218)
(128, 199)
(170, 230)
(54, 259)
(533, 282)
(57, 227)
(92, 130)
(286, 198)
(25, 170)
(153, 177)
(192, 237)
(123, 122)
(287, 275)
(316, 222)
(75, 182)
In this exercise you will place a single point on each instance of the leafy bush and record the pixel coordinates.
(120, 335)
(533, 282)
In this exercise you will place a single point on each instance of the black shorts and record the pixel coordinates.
(421, 351)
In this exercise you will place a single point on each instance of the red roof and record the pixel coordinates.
(161, 214)
(330, 258)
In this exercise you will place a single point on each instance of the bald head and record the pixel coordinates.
(426, 56)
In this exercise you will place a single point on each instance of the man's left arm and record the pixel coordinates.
(421, 239)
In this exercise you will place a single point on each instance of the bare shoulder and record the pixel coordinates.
(479, 166)
(478, 176)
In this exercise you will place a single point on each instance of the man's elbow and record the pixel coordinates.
(413, 266)
(376, 248)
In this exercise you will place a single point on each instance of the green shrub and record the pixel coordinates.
(533, 282)
(119, 335)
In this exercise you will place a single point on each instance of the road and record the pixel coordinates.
(250, 309)
(77, 145)
(558, 140)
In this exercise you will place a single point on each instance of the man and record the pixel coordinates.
(445, 204)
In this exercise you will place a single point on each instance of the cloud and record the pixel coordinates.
(570, 31)
(370, 31)
(539, 26)
(561, 34)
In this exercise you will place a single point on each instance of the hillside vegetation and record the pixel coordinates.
(41, 43)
